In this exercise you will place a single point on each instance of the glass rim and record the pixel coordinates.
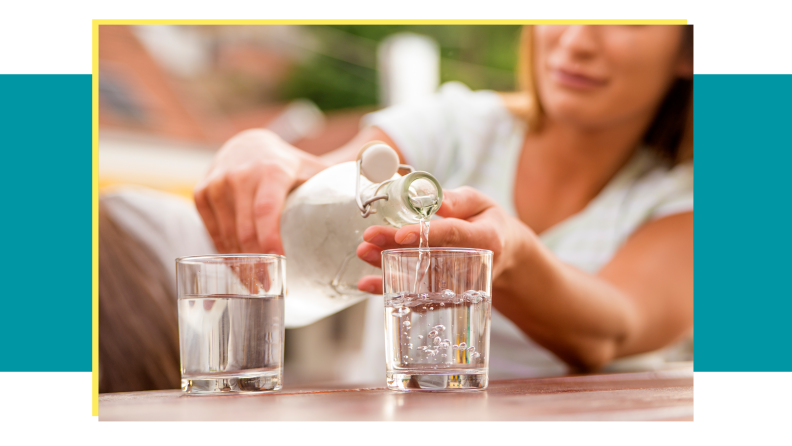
(224, 258)
(437, 250)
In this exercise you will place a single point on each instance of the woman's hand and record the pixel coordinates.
(471, 220)
(241, 198)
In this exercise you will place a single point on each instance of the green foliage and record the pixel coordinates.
(342, 73)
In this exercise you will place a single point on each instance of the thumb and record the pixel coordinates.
(463, 202)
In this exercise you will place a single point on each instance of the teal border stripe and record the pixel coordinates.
(46, 226)
(743, 157)
(743, 235)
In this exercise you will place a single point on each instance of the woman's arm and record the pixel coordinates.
(642, 300)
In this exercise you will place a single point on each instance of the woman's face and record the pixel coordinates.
(595, 76)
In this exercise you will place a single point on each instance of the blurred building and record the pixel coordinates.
(170, 96)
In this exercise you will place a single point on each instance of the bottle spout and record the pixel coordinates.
(421, 192)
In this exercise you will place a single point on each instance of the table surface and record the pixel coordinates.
(658, 395)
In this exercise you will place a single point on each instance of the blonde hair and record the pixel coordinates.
(670, 134)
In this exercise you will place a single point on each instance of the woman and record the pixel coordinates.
(582, 185)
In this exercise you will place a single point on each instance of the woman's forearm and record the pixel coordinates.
(579, 317)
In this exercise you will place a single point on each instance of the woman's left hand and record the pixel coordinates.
(471, 220)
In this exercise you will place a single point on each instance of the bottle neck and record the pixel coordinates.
(411, 198)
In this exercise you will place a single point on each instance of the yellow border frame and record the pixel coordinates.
(95, 79)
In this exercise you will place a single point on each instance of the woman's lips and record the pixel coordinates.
(576, 80)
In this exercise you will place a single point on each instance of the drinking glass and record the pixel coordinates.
(437, 318)
(231, 329)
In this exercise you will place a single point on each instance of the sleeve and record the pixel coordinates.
(425, 131)
(677, 194)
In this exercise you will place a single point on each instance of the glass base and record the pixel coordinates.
(444, 381)
(247, 383)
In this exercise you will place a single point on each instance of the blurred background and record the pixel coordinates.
(169, 95)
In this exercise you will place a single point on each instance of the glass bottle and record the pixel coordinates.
(322, 224)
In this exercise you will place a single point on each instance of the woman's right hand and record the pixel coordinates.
(241, 197)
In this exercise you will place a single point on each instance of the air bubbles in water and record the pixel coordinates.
(472, 349)
(401, 311)
(436, 341)
(439, 328)
(406, 323)
(462, 346)
(444, 345)
(433, 333)
(420, 336)
(448, 294)
(472, 296)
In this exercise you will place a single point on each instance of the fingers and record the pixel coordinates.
(267, 205)
(201, 197)
(450, 232)
(222, 208)
(371, 284)
(370, 254)
(377, 239)
(243, 183)
(463, 202)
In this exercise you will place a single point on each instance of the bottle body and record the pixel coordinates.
(321, 227)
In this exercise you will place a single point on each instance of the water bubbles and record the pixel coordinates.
(431, 352)
(421, 348)
(448, 294)
(420, 336)
(433, 333)
(474, 356)
(400, 311)
(439, 328)
(443, 355)
(431, 308)
(472, 349)
(409, 346)
(454, 346)
(472, 296)
(406, 323)
(444, 345)
(405, 357)
(436, 341)
(462, 345)
(405, 333)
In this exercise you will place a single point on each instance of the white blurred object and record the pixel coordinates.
(182, 50)
(409, 68)
(300, 119)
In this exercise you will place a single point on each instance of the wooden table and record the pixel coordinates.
(660, 395)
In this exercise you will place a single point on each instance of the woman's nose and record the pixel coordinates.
(581, 40)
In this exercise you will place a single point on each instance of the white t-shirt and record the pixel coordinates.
(469, 138)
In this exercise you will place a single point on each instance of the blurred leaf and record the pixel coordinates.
(341, 76)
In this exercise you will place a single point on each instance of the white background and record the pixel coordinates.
(43, 37)
(731, 37)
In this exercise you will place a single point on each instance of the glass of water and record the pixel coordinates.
(437, 318)
(231, 328)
